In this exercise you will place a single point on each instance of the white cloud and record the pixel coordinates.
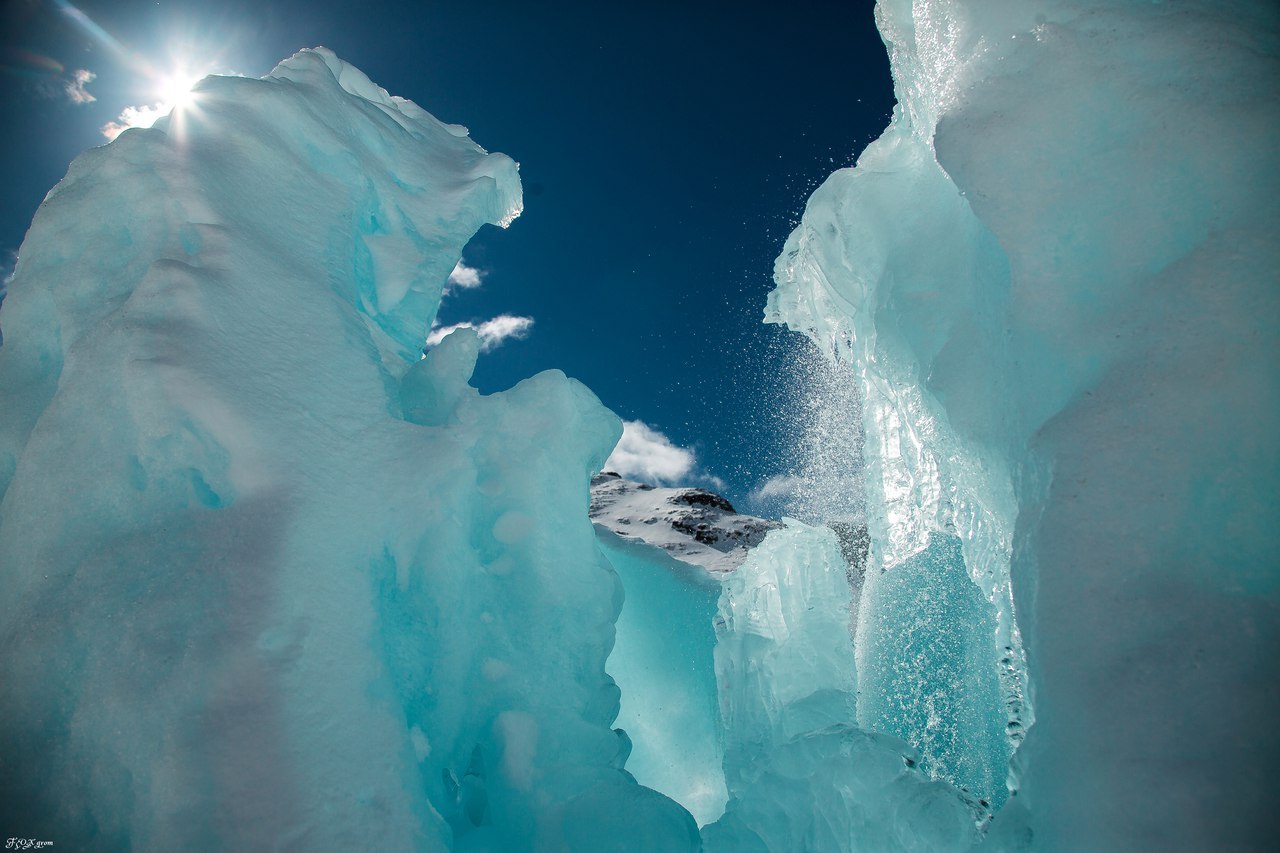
(493, 333)
(74, 87)
(780, 486)
(133, 117)
(645, 454)
(463, 277)
(8, 265)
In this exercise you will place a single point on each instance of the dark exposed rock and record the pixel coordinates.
(701, 497)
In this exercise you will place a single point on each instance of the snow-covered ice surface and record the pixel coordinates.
(693, 525)
(1055, 276)
(271, 581)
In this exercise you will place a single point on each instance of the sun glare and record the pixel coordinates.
(175, 89)
(167, 92)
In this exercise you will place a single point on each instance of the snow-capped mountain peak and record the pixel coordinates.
(693, 525)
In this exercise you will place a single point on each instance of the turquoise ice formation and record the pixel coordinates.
(1054, 276)
(270, 579)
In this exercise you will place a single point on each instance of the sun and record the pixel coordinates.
(175, 88)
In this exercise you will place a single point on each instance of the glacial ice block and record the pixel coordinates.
(663, 663)
(926, 673)
(671, 548)
(269, 579)
(801, 773)
(1055, 275)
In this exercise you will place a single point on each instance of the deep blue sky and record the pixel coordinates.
(666, 150)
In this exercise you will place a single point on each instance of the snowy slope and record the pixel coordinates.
(692, 525)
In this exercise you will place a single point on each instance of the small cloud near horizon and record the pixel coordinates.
(133, 117)
(645, 454)
(780, 486)
(463, 277)
(8, 266)
(493, 333)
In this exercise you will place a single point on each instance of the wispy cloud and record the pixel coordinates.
(463, 277)
(133, 117)
(493, 333)
(643, 453)
(782, 486)
(75, 86)
(8, 263)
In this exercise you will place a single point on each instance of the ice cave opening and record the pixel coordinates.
(1028, 600)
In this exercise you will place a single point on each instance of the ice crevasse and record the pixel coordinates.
(270, 579)
(1054, 276)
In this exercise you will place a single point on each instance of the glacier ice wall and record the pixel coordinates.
(269, 579)
(925, 658)
(801, 773)
(1055, 276)
(663, 661)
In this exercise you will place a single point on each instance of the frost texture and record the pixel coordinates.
(1054, 275)
(270, 580)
